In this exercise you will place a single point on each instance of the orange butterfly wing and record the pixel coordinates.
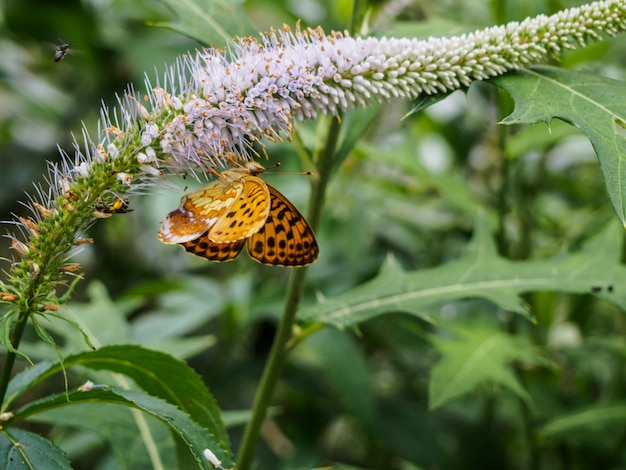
(286, 239)
(199, 211)
(246, 215)
(216, 221)
(205, 248)
(228, 210)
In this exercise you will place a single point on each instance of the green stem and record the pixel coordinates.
(272, 370)
(7, 368)
(324, 162)
(505, 248)
(358, 15)
(295, 287)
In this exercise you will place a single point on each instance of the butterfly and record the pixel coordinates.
(241, 209)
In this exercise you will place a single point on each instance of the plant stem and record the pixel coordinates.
(272, 370)
(7, 367)
(295, 287)
(325, 159)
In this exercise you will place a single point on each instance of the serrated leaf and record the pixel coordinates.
(208, 21)
(538, 138)
(20, 450)
(120, 429)
(25, 380)
(6, 321)
(474, 356)
(157, 373)
(195, 436)
(480, 273)
(588, 101)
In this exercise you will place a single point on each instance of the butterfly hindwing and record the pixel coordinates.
(205, 248)
(286, 239)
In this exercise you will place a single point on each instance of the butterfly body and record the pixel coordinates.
(241, 209)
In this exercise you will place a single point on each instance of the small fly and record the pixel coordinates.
(61, 51)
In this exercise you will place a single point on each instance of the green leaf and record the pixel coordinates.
(538, 138)
(155, 372)
(451, 187)
(162, 376)
(195, 436)
(6, 322)
(579, 424)
(182, 311)
(592, 103)
(26, 379)
(481, 273)
(21, 449)
(168, 329)
(101, 318)
(424, 101)
(346, 371)
(123, 431)
(476, 355)
(208, 21)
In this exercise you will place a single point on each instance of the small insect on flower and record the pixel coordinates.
(241, 209)
(119, 206)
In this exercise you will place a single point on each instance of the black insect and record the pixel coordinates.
(61, 51)
(119, 206)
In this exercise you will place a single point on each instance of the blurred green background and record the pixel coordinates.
(411, 188)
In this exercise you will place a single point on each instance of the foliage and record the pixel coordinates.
(466, 310)
(583, 100)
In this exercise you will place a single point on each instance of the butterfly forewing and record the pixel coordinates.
(286, 239)
(205, 248)
(199, 211)
(246, 215)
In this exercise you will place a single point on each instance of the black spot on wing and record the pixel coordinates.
(286, 239)
(205, 248)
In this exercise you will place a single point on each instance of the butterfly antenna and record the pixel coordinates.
(277, 164)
